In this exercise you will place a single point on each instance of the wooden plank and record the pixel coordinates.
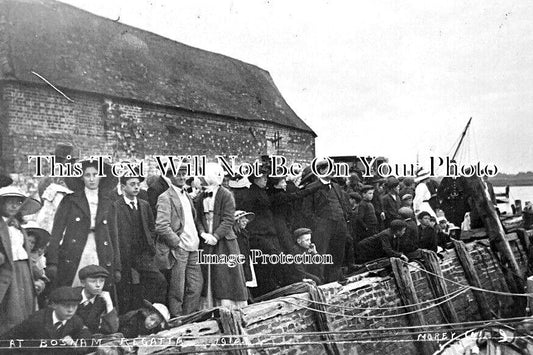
(472, 278)
(432, 264)
(258, 312)
(407, 292)
(494, 227)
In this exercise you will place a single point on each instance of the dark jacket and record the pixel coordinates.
(120, 228)
(72, 225)
(154, 190)
(318, 201)
(381, 245)
(40, 326)
(281, 204)
(366, 222)
(243, 239)
(428, 238)
(257, 201)
(95, 317)
(391, 203)
(301, 271)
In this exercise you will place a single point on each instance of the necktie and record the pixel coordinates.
(58, 326)
(208, 194)
(132, 204)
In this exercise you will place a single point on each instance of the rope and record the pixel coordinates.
(381, 308)
(379, 317)
(473, 287)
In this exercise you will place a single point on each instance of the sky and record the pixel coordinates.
(393, 78)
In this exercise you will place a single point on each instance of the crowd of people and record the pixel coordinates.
(99, 256)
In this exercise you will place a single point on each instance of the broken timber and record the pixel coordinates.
(407, 292)
(472, 277)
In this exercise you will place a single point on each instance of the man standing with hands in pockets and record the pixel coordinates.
(175, 225)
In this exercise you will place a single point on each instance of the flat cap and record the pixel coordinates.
(93, 271)
(65, 294)
(366, 188)
(423, 214)
(301, 231)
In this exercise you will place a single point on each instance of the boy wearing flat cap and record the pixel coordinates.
(96, 307)
(302, 237)
(57, 321)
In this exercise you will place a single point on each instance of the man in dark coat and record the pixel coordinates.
(327, 211)
(385, 244)
(132, 224)
(426, 233)
(58, 322)
(452, 194)
(391, 201)
(263, 235)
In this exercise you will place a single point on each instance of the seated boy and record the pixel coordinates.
(57, 321)
(95, 306)
(150, 319)
(303, 245)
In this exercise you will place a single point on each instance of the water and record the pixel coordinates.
(523, 193)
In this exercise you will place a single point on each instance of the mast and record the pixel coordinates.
(462, 137)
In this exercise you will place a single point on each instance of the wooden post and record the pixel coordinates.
(432, 264)
(472, 278)
(494, 226)
(407, 292)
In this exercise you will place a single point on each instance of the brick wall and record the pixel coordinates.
(34, 118)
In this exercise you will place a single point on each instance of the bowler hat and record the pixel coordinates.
(64, 151)
(392, 182)
(65, 294)
(93, 271)
(5, 180)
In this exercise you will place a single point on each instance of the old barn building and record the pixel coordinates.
(131, 93)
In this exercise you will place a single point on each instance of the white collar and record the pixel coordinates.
(55, 319)
(92, 193)
(325, 182)
(178, 190)
(128, 201)
(85, 299)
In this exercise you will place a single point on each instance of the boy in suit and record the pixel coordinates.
(132, 224)
(96, 307)
(58, 321)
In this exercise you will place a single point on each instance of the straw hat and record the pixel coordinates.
(29, 205)
(422, 175)
(43, 237)
(160, 309)
(240, 214)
